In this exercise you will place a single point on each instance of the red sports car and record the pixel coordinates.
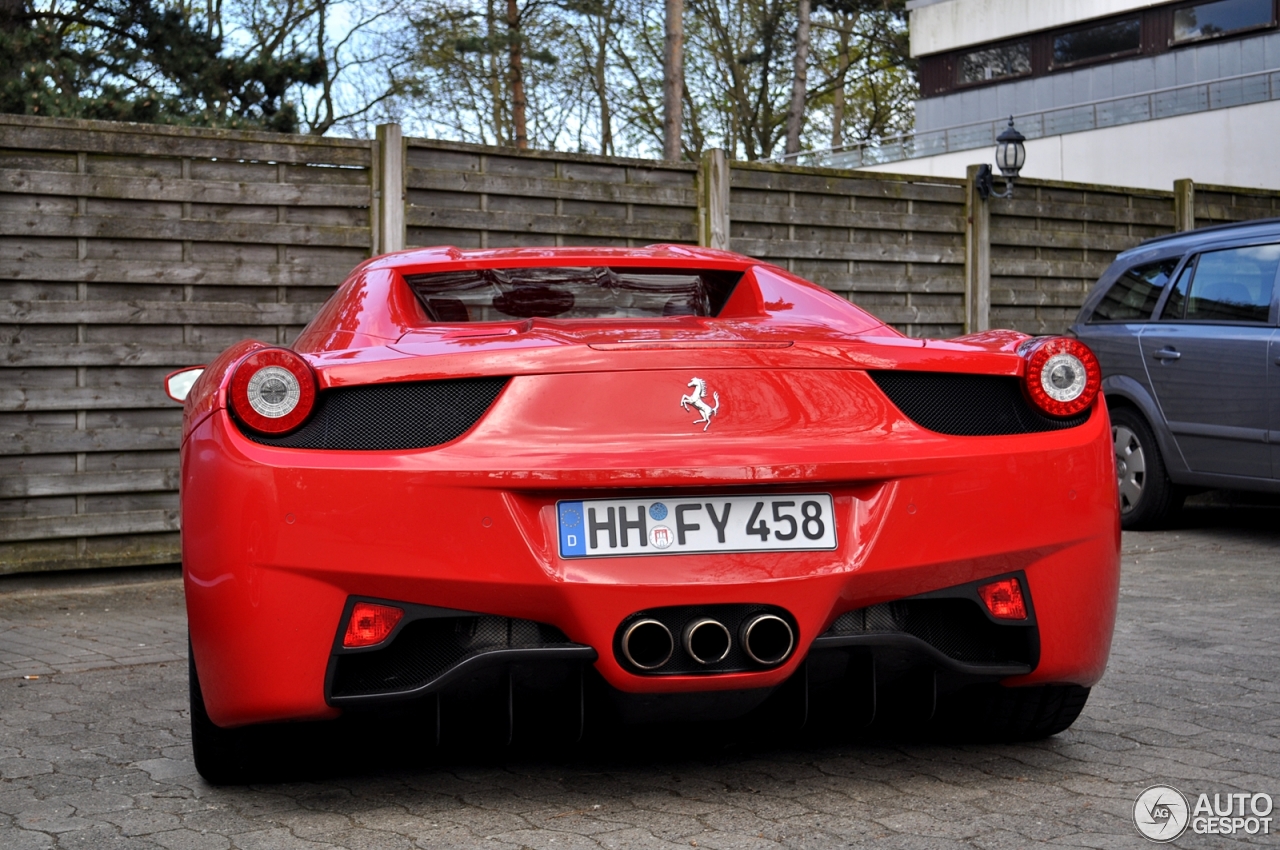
(504, 489)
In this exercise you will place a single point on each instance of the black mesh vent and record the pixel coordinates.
(955, 627)
(967, 405)
(424, 649)
(391, 416)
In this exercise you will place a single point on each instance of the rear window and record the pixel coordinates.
(1134, 295)
(597, 292)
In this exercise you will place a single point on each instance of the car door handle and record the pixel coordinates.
(1166, 354)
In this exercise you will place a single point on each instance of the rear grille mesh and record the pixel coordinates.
(968, 405)
(391, 416)
(954, 627)
(425, 649)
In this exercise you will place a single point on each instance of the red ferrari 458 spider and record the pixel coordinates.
(504, 489)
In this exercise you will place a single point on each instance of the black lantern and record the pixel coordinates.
(1011, 154)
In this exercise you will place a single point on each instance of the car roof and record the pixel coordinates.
(1214, 233)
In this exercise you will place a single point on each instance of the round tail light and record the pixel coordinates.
(273, 391)
(1063, 375)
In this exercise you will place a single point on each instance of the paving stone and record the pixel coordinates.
(190, 839)
(95, 753)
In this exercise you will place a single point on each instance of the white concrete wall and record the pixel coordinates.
(958, 23)
(1230, 147)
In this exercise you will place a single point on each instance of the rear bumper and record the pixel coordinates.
(277, 541)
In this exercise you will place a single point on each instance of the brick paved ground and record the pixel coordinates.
(94, 753)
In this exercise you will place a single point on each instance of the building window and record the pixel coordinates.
(1159, 28)
(1100, 42)
(995, 63)
(1206, 20)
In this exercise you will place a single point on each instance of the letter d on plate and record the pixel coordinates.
(572, 540)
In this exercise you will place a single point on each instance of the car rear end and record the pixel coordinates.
(696, 518)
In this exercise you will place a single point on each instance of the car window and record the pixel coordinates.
(1233, 285)
(1134, 295)
(525, 292)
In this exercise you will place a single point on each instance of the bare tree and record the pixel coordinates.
(363, 67)
(869, 81)
(595, 39)
(640, 77)
(515, 70)
(799, 79)
(738, 50)
(845, 28)
(600, 79)
(462, 78)
(673, 80)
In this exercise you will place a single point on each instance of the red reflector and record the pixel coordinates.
(1004, 599)
(370, 624)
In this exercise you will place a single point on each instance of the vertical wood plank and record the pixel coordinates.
(977, 255)
(713, 200)
(1184, 205)
(390, 189)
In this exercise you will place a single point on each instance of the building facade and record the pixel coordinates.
(1121, 92)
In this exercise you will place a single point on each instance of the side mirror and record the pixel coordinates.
(177, 385)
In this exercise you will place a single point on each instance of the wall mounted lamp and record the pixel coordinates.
(1011, 154)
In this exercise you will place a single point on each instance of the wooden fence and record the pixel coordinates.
(127, 251)
(1051, 242)
(473, 197)
(893, 245)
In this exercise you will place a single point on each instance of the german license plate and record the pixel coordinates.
(609, 527)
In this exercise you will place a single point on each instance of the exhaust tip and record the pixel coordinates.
(647, 644)
(768, 639)
(707, 641)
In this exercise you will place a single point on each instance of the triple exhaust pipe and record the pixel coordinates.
(766, 639)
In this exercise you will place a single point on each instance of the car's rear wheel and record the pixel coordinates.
(997, 713)
(222, 756)
(1147, 497)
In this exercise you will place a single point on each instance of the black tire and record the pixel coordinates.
(1148, 499)
(997, 713)
(222, 756)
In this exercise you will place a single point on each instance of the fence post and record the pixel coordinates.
(713, 200)
(387, 210)
(977, 256)
(1184, 205)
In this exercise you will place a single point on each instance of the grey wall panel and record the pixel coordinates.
(1253, 56)
(1270, 52)
(1104, 80)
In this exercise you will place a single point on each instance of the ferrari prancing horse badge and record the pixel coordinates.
(695, 399)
